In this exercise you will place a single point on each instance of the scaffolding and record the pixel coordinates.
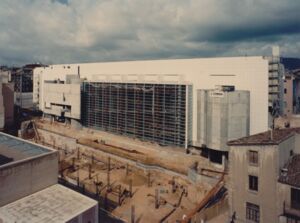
(153, 112)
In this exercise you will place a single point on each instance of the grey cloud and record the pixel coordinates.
(65, 31)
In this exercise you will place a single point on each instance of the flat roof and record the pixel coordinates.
(154, 59)
(51, 205)
(18, 149)
(265, 138)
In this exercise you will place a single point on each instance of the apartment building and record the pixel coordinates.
(263, 177)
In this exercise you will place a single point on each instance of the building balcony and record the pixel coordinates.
(273, 67)
(273, 82)
(290, 212)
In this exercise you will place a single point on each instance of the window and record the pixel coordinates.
(253, 157)
(252, 212)
(285, 90)
(253, 182)
(295, 198)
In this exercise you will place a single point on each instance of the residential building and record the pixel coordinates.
(289, 191)
(288, 94)
(276, 76)
(6, 99)
(261, 175)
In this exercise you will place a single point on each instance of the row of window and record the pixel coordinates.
(252, 210)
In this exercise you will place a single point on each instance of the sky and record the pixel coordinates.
(70, 31)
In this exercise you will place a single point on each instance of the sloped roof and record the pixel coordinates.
(290, 173)
(265, 138)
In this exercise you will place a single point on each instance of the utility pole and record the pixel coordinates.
(108, 174)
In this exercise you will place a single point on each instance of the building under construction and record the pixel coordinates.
(155, 112)
(152, 100)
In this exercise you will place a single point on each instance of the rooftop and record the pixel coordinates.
(290, 173)
(271, 137)
(51, 205)
(14, 149)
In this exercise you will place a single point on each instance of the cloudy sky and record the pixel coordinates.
(68, 31)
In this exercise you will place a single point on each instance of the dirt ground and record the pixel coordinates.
(175, 194)
(160, 190)
(168, 157)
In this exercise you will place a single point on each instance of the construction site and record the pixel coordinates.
(133, 180)
(148, 139)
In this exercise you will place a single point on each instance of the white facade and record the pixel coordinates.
(62, 98)
(245, 73)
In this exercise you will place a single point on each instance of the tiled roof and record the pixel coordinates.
(266, 138)
(290, 173)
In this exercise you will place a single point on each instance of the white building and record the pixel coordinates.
(245, 73)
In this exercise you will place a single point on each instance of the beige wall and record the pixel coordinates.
(27, 176)
(271, 159)
(284, 195)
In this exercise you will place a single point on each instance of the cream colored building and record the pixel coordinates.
(261, 177)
